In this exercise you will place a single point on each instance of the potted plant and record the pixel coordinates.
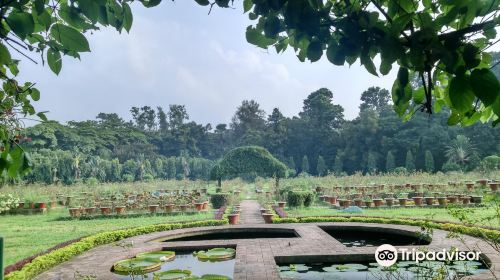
(452, 199)
(368, 203)
(482, 182)
(466, 200)
(470, 186)
(389, 201)
(477, 199)
(442, 200)
(493, 186)
(429, 200)
(74, 212)
(105, 210)
(120, 209)
(417, 200)
(199, 205)
(358, 202)
(378, 202)
(268, 218)
(233, 218)
(281, 204)
(332, 199)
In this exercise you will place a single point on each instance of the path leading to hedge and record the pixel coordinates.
(250, 213)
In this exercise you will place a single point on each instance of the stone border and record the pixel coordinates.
(255, 258)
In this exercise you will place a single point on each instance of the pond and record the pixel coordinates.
(185, 260)
(364, 271)
(237, 233)
(361, 237)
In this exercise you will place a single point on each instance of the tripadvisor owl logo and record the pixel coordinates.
(386, 255)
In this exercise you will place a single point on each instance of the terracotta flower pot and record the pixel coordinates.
(120, 209)
(53, 204)
(41, 205)
(482, 182)
(347, 203)
(32, 205)
(199, 206)
(332, 199)
(358, 202)
(470, 186)
(452, 199)
(89, 210)
(429, 201)
(443, 201)
(153, 208)
(169, 208)
(183, 208)
(281, 204)
(417, 200)
(205, 205)
(477, 199)
(493, 187)
(105, 210)
(268, 218)
(74, 212)
(378, 202)
(466, 200)
(233, 218)
(389, 201)
(402, 201)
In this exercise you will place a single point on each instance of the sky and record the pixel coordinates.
(178, 54)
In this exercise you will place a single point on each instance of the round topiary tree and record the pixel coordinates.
(248, 159)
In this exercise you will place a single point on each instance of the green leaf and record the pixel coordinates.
(5, 57)
(203, 2)
(314, 51)
(485, 85)
(42, 116)
(255, 37)
(272, 27)
(247, 5)
(90, 9)
(127, 17)
(368, 63)
(21, 23)
(150, 3)
(403, 76)
(461, 94)
(54, 61)
(70, 38)
(419, 95)
(454, 118)
(35, 94)
(335, 54)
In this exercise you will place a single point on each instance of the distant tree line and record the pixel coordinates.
(318, 141)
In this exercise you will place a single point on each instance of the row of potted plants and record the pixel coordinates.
(404, 201)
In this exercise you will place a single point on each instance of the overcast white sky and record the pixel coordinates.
(177, 54)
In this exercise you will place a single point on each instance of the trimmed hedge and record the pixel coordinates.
(49, 260)
(300, 198)
(490, 234)
(219, 199)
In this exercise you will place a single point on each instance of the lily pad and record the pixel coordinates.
(173, 274)
(348, 267)
(163, 256)
(137, 265)
(216, 254)
(299, 267)
(214, 277)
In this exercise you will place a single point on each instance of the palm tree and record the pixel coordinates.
(460, 151)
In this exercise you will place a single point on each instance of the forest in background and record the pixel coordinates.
(159, 143)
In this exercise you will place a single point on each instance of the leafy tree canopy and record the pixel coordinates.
(443, 42)
(248, 159)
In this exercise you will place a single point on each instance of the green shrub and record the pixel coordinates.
(219, 199)
(300, 198)
(53, 258)
(490, 163)
(451, 166)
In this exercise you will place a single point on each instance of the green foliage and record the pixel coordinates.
(371, 165)
(49, 260)
(409, 162)
(248, 159)
(321, 168)
(298, 198)
(389, 162)
(444, 43)
(490, 163)
(305, 165)
(429, 162)
(219, 200)
(450, 166)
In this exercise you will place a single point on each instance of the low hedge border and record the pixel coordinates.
(127, 216)
(490, 234)
(53, 258)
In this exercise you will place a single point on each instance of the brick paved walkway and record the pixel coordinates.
(256, 258)
(250, 212)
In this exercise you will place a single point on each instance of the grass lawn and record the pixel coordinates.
(438, 214)
(31, 234)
